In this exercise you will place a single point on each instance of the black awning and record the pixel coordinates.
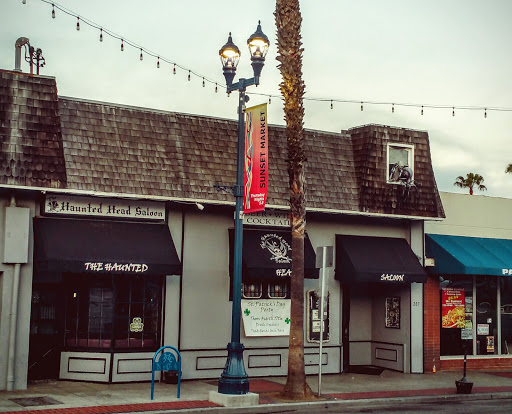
(266, 254)
(101, 247)
(387, 260)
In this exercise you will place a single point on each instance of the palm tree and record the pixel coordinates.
(289, 47)
(470, 181)
(509, 169)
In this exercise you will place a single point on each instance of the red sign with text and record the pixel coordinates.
(452, 307)
(255, 159)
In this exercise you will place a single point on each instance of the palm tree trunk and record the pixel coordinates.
(288, 22)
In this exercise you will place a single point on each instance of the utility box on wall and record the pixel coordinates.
(17, 224)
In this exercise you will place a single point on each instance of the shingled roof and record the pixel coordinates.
(90, 146)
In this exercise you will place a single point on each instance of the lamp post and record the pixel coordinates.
(234, 379)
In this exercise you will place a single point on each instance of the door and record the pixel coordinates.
(345, 328)
(46, 328)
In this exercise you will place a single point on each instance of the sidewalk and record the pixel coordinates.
(62, 397)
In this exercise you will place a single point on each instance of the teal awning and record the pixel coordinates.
(469, 255)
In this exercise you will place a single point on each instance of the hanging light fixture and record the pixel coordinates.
(122, 45)
(101, 35)
(141, 57)
(53, 11)
(78, 23)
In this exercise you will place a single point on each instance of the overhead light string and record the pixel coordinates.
(205, 79)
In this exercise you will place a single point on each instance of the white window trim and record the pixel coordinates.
(269, 286)
(411, 158)
(252, 297)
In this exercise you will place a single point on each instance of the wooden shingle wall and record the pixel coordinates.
(57, 142)
(30, 132)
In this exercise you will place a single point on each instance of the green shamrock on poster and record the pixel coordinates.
(287, 320)
(247, 312)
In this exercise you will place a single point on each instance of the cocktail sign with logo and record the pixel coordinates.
(136, 325)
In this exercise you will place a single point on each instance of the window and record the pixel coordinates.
(278, 290)
(252, 290)
(113, 312)
(482, 330)
(266, 290)
(398, 157)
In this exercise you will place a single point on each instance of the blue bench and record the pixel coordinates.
(167, 362)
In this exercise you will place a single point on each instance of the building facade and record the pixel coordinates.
(116, 242)
(468, 293)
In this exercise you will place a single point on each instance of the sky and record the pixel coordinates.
(436, 52)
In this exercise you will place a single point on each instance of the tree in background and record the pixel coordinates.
(509, 169)
(289, 47)
(470, 181)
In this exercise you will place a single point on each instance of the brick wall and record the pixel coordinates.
(432, 321)
(475, 364)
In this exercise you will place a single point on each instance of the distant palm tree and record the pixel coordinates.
(509, 169)
(470, 181)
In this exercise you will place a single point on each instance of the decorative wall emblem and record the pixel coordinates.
(136, 325)
(277, 246)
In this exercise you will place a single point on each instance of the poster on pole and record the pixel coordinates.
(453, 308)
(255, 159)
(266, 317)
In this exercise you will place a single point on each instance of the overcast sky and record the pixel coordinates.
(435, 52)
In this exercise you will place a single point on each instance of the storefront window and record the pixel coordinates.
(456, 315)
(113, 312)
(486, 315)
(506, 315)
(252, 290)
(278, 290)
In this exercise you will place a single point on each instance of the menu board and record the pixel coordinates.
(453, 307)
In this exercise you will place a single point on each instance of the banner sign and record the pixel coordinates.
(453, 307)
(85, 206)
(266, 317)
(255, 159)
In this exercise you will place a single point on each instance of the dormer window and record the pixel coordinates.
(400, 163)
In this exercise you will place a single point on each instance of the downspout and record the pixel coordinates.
(22, 41)
(13, 320)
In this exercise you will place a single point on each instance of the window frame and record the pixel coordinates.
(410, 158)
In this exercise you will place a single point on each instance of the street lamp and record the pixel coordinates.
(233, 379)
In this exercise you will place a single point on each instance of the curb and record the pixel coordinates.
(300, 407)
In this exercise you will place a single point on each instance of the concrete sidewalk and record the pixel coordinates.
(59, 397)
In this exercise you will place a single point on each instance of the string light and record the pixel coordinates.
(269, 100)
(203, 83)
(158, 63)
(141, 57)
(392, 108)
(133, 44)
(24, 1)
(216, 88)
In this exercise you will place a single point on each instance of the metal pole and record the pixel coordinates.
(234, 379)
(322, 292)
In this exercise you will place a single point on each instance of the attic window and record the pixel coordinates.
(400, 162)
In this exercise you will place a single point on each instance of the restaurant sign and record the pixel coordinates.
(78, 206)
(266, 317)
(274, 218)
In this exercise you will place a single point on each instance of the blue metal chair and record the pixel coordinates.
(167, 362)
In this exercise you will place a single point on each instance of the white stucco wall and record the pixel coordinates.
(474, 216)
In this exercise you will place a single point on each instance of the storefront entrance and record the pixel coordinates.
(376, 275)
(46, 332)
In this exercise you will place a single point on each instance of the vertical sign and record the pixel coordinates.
(255, 159)
(453, 306)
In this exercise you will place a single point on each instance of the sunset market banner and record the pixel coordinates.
(255, 159)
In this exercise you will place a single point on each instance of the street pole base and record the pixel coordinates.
(235, 386)
(229, 400)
